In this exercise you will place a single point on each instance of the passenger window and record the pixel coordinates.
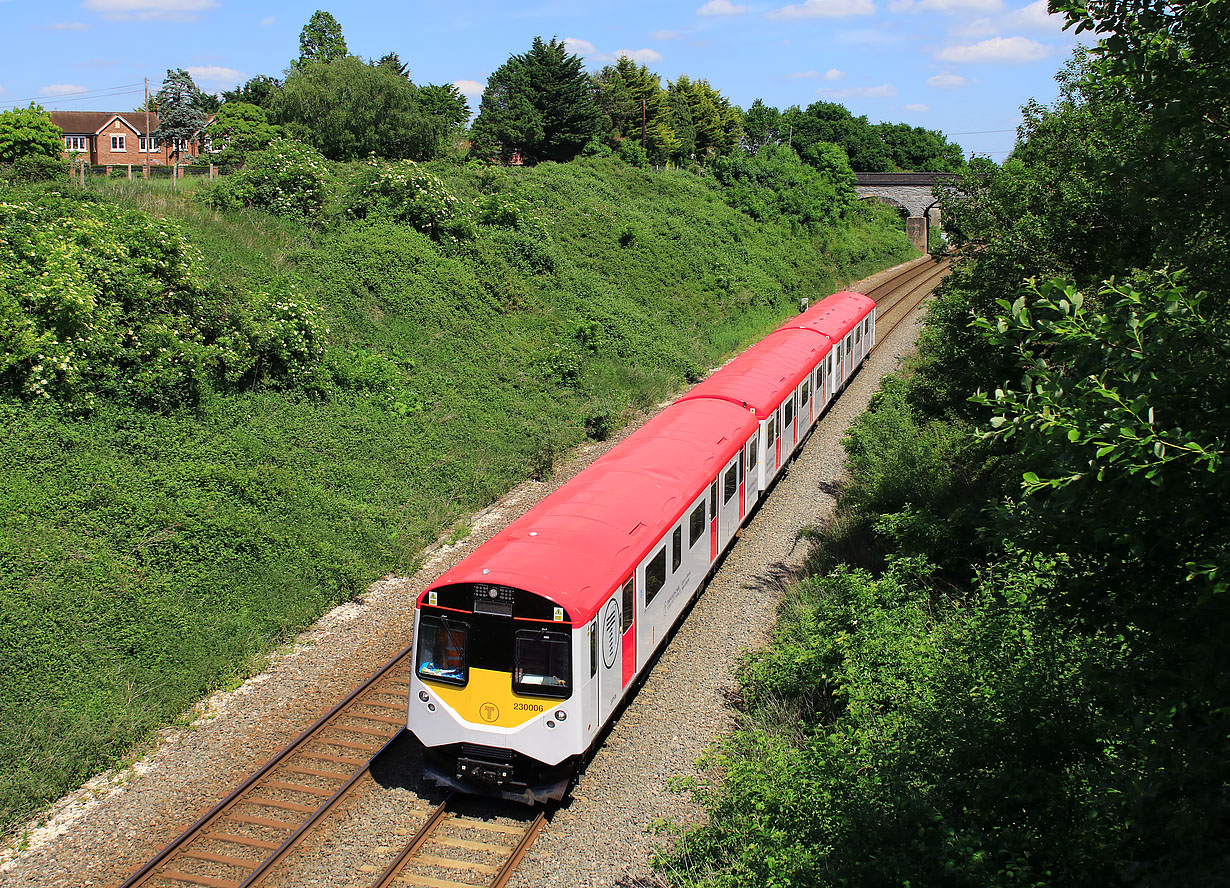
(442, 650)
(542, 664)
(771, 432)
(696, 524)
(593, 649)
(805, 395)
(655, 575)
(629, 604)
(713, 499)
(789, 417)
(730, 485)
(676, 548)
(753, 452)
(858, 335)
(839, 353)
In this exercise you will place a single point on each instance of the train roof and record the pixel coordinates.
(834, 316)
(762, 377)
(586, 538)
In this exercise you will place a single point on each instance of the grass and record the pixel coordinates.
(150, 558)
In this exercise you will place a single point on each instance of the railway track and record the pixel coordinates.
(239, 841)
(898, 296)
(453, 850)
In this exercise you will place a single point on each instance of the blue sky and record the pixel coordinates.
(960, 66)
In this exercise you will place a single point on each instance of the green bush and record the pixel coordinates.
(407, 193)
(97, 302)
(289, 178)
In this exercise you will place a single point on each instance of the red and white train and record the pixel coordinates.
(526, 648)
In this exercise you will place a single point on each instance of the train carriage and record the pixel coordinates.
(528, 645)
(775, 379)
(526, 648)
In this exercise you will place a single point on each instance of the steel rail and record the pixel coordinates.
(236, 796)
(414, 848)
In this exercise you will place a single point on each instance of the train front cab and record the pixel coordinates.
(498, 694)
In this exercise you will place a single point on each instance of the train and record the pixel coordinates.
(526, 649)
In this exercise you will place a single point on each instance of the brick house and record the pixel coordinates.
(118, 138)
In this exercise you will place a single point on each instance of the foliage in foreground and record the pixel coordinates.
(1029, 683)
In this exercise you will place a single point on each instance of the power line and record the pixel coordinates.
(124, 89)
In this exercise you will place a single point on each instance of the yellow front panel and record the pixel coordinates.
(488, 699)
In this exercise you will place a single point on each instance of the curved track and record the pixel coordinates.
(242, 839)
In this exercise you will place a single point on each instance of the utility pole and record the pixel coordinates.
(643, 123)
(149, 140)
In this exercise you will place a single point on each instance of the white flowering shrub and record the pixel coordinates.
(98, 301)
(289, 178)
(406, 193)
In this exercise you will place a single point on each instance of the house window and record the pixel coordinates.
(76, 143)
(117, 143)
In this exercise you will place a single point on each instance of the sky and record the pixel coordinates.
(963, 67)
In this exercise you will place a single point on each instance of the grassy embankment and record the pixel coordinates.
(151, 556)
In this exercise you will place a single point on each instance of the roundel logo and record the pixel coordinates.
(489, 712)
(610, 633)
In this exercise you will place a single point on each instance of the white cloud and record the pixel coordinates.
(61, 89)
(884, 90)
(721, 7)
(267, 21)
(830, 74)
(974, 29)
(810, 9)
(576, 46)
(2, 90)
(215, 74)
(469, 87)
(1036, 17)
(870, 37)
(643, 56)
(947, 81)
(1002, 50)
(664, 35)
(951, 7)
(803, 75)
(917, 107)
(834, 74)
(150, 10)
(68, 26)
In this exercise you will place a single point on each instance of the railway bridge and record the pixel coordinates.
(911, 192)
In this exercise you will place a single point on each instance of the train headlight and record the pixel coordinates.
(423, 696)
(550, 724)
(561, 715)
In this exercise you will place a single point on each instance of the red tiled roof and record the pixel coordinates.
(90, 122)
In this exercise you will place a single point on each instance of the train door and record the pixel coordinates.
(773, 446)
(839, 377)
(729, 498)
(713, 522)
(742, 488)
(849, 370)
(805, 414)
(858, 343)
(610, 670)
(627, 594)
(789, 426)
(871, 329)
(752, 452)
(592, 706)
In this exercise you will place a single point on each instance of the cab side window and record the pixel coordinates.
(655, 575)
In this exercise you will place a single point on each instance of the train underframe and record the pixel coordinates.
(501, 773)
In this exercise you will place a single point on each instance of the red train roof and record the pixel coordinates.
(834, 316)
(584, 539)
(766, 373)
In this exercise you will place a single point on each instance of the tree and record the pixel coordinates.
(831, 122)
(916, 148)
(538, 103)
(349, 110)
(394, 64)
(761, 126)
(718, 124)
(260, 91)
(444, 104)
(623, 93)
(321, 40)
(29, 132)
(181, 113)
(239, 128)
